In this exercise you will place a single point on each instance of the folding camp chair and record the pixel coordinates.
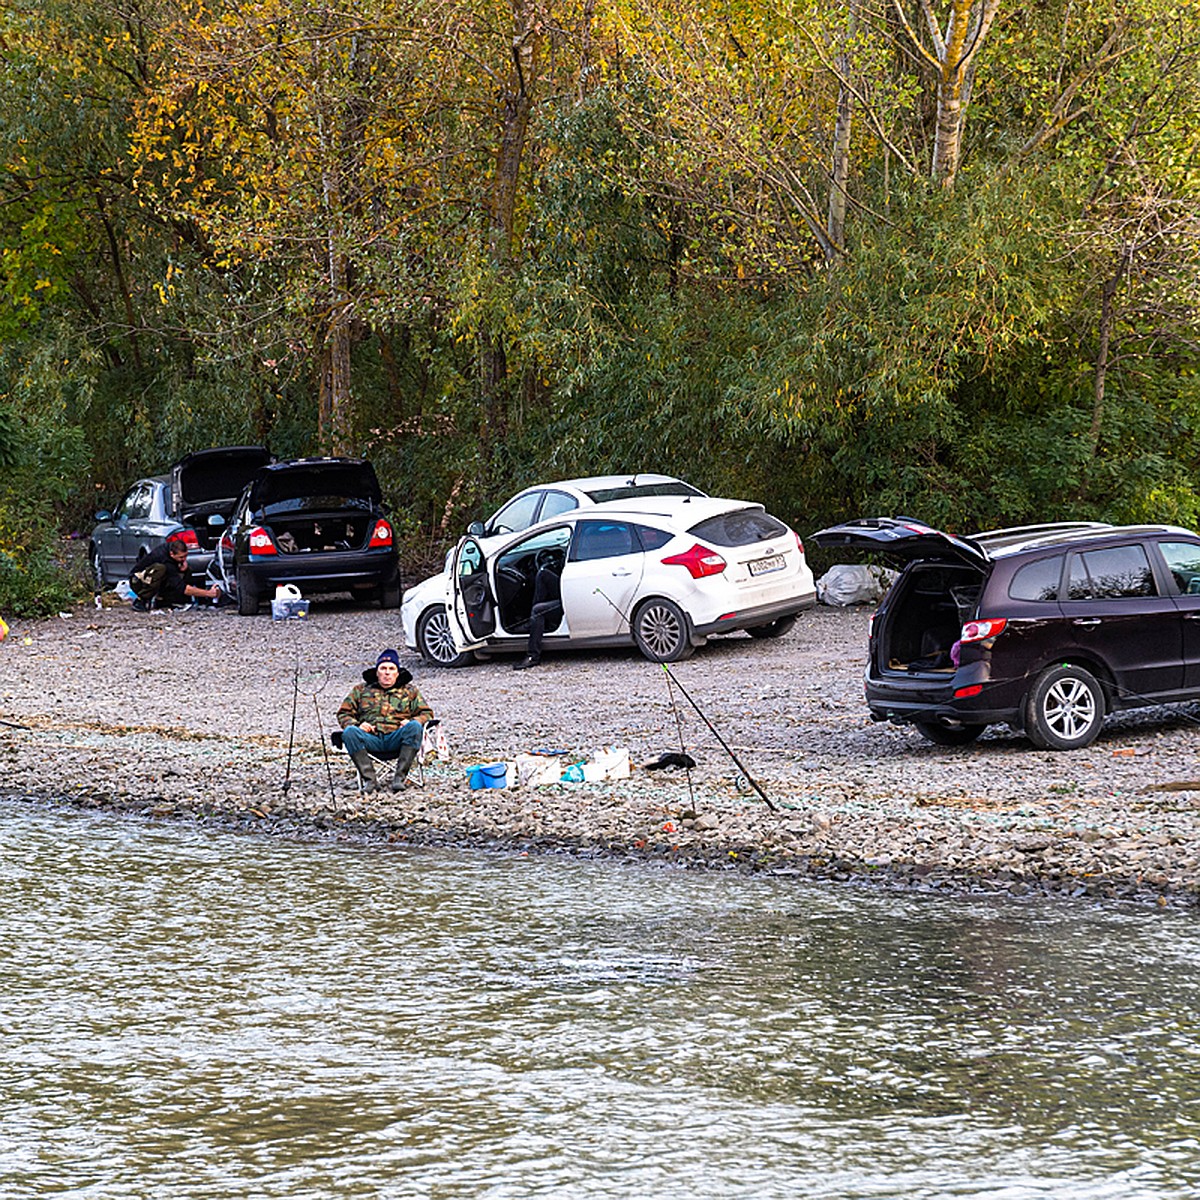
(428, 748)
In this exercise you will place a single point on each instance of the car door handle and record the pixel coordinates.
(621, 573)
(1087, 621)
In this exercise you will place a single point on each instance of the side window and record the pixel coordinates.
(136, 504)
(1183, 561)
(1123, 571)
(603, 539)
(556, 503)
(1037, 580)
(470, 560)
(652, 539)
(516, 514)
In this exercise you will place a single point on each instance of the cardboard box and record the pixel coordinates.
(288, 610)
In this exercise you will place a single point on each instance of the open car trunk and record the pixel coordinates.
(208, 483)
(926, 610)
(306, 533)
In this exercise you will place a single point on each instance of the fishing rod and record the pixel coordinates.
(682, 749)
(324, 679)
(699, 712)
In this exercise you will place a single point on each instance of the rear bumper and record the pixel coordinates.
(322, 572)
(998, 702)
(764, 614)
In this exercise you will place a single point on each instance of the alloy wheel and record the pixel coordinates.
(1069, 707)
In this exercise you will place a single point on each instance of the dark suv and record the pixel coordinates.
(1044, 628)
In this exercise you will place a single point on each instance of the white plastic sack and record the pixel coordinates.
(435, 745)
(849, 583)
(612, 762)
(537, 769)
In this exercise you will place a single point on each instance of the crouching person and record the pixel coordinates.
(385, 716)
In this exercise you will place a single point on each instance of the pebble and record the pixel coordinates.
(189, 716)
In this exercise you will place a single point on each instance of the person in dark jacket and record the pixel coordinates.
(384, 715)
(160, 578)
(547, 606)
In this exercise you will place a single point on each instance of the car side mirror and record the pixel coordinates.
(216, 521)
(475, 529)
(103, 515)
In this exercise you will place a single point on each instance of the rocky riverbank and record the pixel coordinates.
(203, 715)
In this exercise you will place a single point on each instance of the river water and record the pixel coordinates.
(196, 1014)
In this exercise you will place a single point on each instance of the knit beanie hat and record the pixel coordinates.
(388, 656)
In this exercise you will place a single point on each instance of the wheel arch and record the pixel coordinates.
(658, 597)
(1096, 667)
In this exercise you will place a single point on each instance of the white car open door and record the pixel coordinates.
(470, 603)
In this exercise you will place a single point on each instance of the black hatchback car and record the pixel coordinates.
(316, 523)
(1044, 628)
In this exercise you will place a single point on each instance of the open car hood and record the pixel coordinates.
(316, 483)
(902, 539)
(215, 476)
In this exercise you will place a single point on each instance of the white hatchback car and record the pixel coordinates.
(662, 573)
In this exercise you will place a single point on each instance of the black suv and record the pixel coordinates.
(1044, 628)
(316, 523)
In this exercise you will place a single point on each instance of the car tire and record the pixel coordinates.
(389, 595)
(941, 734)
(1064, 709)
(775, 629)
(247, 594)
(660, 629)
(96, 564)
(434, 642)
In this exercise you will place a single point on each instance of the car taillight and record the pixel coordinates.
(226, 541)
(260, 542)
(799, 544)
(381, 535)
(699, 560)
(187, 537)
(979, 631)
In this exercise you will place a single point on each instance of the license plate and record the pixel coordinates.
(764, 566)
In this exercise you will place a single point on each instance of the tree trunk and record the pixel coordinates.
(518, 104)
(1108, 295)
(840, 166)
(951, 55)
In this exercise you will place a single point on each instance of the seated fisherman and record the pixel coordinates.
(384, 715)
(160, 578)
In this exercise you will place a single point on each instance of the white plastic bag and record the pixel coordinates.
(612, 761)
(852, 583)
(537, 769)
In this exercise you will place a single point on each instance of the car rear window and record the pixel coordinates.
(637, 491)
(1111, 574)
(741, 528)
(318, 488)
(1037, 580)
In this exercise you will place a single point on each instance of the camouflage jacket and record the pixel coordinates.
(385, 708)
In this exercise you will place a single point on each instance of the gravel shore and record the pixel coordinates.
(203, 715)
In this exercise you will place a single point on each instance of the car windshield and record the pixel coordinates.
(637, 491)
(740, 528)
